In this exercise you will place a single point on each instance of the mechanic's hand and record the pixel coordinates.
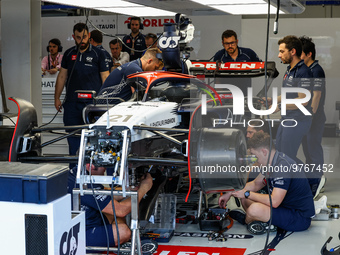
(222, 201)
(58, 105)
(43, 71)
(239, 194)
(269, 100)
(146, 182)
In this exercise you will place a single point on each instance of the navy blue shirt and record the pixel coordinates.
(137, 42)
(108, 57)
(86, 72)
(117, 78)
(319, 84)
(299, 195)
(300, 76)
(244, 55)
(88, 202)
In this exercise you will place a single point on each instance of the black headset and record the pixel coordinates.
(141, 26)
(56, 42)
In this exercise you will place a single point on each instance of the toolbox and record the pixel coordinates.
(211, 220)
(32, 183)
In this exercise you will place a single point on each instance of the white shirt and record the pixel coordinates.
(124, 57)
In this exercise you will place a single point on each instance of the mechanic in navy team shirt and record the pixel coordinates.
(83, 70)
(292, 199)
(95, 229)
(312, 141)
(134, 43)
(148, 62)
(298, 75)
(233, 53)
(96, 40)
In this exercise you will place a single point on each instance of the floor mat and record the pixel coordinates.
(197, 250)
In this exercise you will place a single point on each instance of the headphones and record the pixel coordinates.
(56, 42)
(141, 26)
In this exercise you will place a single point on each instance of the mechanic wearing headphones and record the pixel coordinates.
(95, 229)
(311, 143)
(292, 199)
(83, 70)
(52, 62)
(233, 53)
(135, 40)
(117, 79)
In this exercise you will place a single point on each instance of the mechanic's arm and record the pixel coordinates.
(123, 208)
(59, 86)
(104, 75)
(254, 185)
(277, 196)
(293, 106)
(316, 100)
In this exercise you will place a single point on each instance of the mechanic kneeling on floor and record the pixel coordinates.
(292, 199)
(95, 229)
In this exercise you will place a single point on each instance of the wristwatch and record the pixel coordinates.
(247, 194)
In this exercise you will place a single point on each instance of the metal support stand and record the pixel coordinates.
(135, 236)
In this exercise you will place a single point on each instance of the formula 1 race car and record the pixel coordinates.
(168, 125)
(161, 126)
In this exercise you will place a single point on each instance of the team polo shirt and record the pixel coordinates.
(244, 55)
(88, 202)
(86, 72)
(137, 42)
(319, 84)
(300, 76)
(299, 195)
(117, 78)
(108, 57)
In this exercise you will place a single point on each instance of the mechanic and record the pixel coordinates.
(86, 70)
(52, 62)
(95, 229)
(292, 199)
(289, 139)
(119, 57)
(231, 52)
(134, 43)
(117, 78)
(96, 40)
(311, 143)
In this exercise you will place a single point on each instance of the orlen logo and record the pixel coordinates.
(152, 22)
(168, 42)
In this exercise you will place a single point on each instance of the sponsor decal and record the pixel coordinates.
(69, 241)
(89, 59)
(74, 57)
(153, 22)
(241, 66)
(163, 122)
(168, 42)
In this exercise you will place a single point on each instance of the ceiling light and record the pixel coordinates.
(238, 9)
(211, 2)
(116, 6)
